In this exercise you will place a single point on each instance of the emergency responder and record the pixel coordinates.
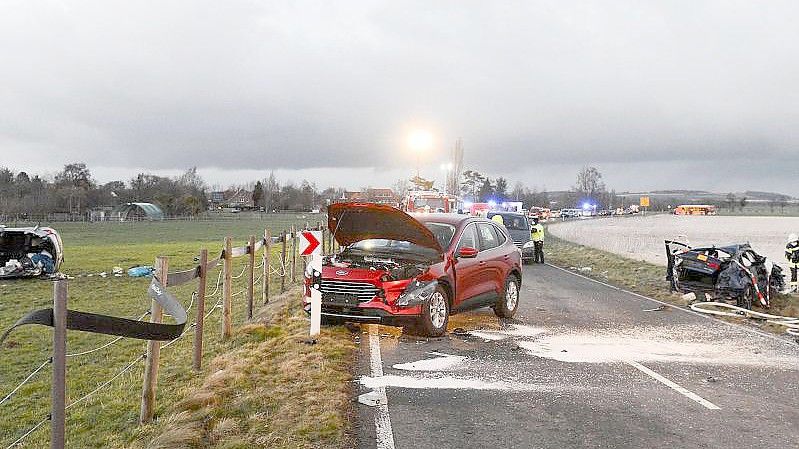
(538, 241)
(498, 219)
(792, 255)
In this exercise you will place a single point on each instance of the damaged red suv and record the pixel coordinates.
(415, 271)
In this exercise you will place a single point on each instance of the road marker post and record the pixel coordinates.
(311, 246)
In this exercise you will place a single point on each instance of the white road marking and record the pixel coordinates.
(705, 316)
(441, 363)
(383, 432)
(459, 383)
(683, 391)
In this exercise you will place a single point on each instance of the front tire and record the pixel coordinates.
(508, 303)
(435, 315)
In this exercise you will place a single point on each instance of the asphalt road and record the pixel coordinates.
(582, 366)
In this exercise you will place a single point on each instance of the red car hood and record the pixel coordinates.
(353, 222)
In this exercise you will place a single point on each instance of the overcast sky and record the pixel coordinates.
(655, 94)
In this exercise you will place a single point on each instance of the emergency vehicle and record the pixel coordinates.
(428, 201)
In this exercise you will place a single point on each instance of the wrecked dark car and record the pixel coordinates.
(29, 252)
(731, 272)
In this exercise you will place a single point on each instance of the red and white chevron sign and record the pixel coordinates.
(310, 243)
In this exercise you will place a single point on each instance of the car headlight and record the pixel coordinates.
(417, 292)
(529, 244)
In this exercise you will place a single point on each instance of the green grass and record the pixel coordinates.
(639, 276)
(109, 419)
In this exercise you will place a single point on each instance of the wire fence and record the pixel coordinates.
(277, 266)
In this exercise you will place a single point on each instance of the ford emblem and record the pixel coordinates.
(342, 273)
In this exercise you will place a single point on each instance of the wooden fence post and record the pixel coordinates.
(293, 253)
(227, 290)
(59, 387)
(284, 273)
(251, 277)
(153, 350)
(198, 330)
(265, 273)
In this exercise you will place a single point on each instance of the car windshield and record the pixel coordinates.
(442, 231)
(432, 203)
(514, 222)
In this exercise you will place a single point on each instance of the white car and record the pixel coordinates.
(26, 252)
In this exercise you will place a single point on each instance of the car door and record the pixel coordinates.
(492, 257)
(467, 270)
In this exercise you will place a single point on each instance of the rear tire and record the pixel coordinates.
(435, 316)
(508, 303)
(746, 298)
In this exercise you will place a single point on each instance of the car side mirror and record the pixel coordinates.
(467, 252)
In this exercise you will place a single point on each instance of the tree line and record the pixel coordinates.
(73, 190)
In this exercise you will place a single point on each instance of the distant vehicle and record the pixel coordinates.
(28, 252)
(695, 209)
(519, 229)
(541, 213)
(725, 272)
(426, 201)
(479, 209)
(555, 213)
(570, 213)
(415, 271)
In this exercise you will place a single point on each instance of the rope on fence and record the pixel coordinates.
(108, 382)
(216, 288)
(30, 431)
(193, 325)
(27, 379)
(241, 274)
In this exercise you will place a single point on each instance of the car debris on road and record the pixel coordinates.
(733, 271)
(29, 252)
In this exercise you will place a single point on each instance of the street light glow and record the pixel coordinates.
(420, 140)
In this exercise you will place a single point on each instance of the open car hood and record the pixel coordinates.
(353, 222)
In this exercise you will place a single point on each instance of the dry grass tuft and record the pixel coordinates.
(271, 389)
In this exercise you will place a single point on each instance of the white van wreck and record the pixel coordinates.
(29, 252)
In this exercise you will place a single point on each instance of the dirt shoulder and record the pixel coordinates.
(270, 389)
(642, 277)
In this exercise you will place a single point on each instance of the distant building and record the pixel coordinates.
(231, 199)
(137, 211)
(379, 196)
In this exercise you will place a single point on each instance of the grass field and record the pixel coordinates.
(109, 418)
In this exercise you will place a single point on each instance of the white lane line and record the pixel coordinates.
(703, 315)
(682, 390)
(383, 432)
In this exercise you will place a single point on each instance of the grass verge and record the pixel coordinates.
(641, 277)
(271, 389)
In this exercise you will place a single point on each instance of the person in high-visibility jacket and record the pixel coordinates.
(792, 255)
(538, 241)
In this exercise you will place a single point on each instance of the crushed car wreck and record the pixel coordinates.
(734, 272)
(415, 271)
(28, 252)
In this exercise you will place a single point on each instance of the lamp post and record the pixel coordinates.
(446, 168)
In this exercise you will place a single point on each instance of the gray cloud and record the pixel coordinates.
(531, 87)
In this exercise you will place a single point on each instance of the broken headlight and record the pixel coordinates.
(529, 244)
(416, 293)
